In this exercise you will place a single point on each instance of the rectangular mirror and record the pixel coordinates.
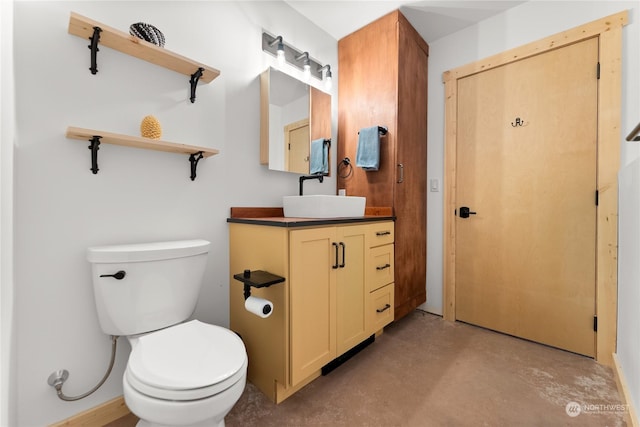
(295, 125)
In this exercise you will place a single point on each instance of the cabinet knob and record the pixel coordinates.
(383, 233)
(382, 267)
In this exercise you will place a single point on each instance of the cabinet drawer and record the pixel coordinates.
(380, 269)
(380, 233)
(380, 308)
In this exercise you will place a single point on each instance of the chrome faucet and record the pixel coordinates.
(306, 177)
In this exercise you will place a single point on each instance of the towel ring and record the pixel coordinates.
(346, 162)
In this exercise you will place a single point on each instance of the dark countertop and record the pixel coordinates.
(307, 222)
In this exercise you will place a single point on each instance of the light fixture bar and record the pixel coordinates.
(270, 45)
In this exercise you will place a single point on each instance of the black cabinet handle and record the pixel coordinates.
(383, 233)
(382, 267)
(335, 246)
(118, 276)
(344, 253)
(386, 307)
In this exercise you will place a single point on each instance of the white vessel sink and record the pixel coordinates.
(323, 206)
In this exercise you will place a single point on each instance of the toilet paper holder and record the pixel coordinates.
(257, 279)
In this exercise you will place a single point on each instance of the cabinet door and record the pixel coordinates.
(312, 300)
(410, 191)
(350, 287)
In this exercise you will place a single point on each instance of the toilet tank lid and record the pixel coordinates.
(140, 252)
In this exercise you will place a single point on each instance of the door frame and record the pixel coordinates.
(609, 33)
(287, 144)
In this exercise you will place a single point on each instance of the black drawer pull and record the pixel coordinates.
(386, 307)
(383, 233)
(382, 267)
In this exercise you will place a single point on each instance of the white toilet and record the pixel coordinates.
(179, 373)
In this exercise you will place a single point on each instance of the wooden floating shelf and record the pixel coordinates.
(84, 27)
(137, 142)
(96, 137)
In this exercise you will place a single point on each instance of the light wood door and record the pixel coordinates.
(312, 301)
(351, 295)
(296, 146)
(526, 164)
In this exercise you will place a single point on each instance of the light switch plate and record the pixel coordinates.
(434, 185)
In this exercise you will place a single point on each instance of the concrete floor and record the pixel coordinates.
(424, 371)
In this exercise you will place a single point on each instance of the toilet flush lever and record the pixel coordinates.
(119, 275)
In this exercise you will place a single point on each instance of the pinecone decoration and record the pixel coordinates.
(150, 128)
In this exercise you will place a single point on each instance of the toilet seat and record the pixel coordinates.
(188, 361)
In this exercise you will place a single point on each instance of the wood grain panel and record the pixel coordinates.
(383, 82)
(367, 82)
(526, 261)
(609, 30)
(411, 152)
(320, 116)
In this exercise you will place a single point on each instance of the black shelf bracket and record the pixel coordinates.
(194, 83)
(95, 39)
(194, 159)
(94, 147)
(257, 279)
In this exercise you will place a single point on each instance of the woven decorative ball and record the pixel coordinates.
(150, 128)
(147, 32)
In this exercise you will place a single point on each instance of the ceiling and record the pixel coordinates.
(432, 19)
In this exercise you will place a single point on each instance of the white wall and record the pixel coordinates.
(526, 23)
(629, 278)
(61, 208)
(7, 132)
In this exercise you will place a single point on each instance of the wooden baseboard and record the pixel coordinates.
(624, 392)
(97, 416)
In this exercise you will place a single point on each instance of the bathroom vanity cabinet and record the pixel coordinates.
(338, 292)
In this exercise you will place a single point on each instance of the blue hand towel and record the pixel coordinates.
(319, 154)
(368, 152)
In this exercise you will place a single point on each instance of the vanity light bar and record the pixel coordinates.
(293, 56)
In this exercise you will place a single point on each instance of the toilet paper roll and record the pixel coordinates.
(259, 306)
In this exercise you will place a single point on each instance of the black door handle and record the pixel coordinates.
(465, 212)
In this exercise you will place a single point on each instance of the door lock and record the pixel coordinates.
(465, 212)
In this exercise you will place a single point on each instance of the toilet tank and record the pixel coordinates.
(160, 286)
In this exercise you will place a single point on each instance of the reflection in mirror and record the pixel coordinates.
(295, 125)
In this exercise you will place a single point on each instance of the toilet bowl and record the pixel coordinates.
(179, 372)
(189, 375)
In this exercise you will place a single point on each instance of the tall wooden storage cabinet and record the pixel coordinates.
(383, 82)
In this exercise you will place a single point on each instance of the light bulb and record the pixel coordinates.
(328, 82)
(306, 71)
(280, 54)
